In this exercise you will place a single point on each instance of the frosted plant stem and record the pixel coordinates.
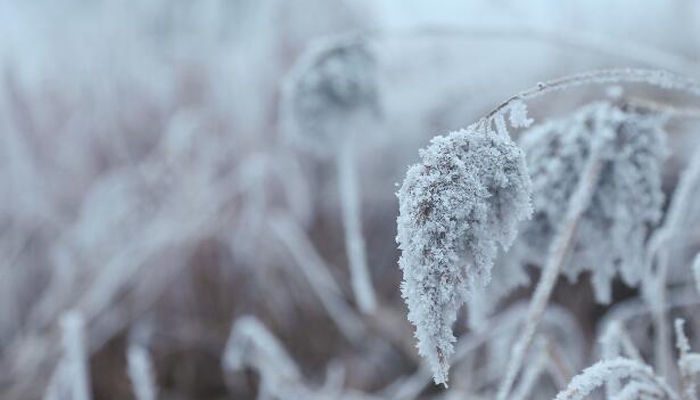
(140, 369)
(595, 376)
(76, 357)
(558, 251)
(658, 78)
(354, 242)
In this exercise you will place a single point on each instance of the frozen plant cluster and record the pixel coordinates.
(457, 207)
(627, 201)
(199, 200)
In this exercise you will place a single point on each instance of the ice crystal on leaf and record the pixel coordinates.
(627, 201)
(457, 206)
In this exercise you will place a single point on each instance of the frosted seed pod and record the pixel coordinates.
(329, 101)
(457, 206)
(626, 202)
(330, 91)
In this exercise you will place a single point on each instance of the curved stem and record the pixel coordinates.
(558, 251)
(354, 242)
(657, 78)
(594, 376)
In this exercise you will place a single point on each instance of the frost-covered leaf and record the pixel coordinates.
(627, 200)
(457, 206)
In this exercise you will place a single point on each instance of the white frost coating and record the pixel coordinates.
(594, 376)
(627, 200)
(140, 368)
(335, 83)
(75, 355)
(464, 199)
(518, 114)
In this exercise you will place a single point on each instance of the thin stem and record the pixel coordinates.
(594, 376)
(559, 249)
(354, 242)
(658, 78)
(75, 355)
(140, 370)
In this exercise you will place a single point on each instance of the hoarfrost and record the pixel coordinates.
(627, 201)
(464, 199)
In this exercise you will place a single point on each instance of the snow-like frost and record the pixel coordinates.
(620, 368)
(627, 201)
(464, 199)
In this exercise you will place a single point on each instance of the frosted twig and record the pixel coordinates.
(658, 78)
(558, 251)
(354, 241)
(596, 375)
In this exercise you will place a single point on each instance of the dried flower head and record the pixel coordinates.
(464, 199)
(334, 85)
(626, 202)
